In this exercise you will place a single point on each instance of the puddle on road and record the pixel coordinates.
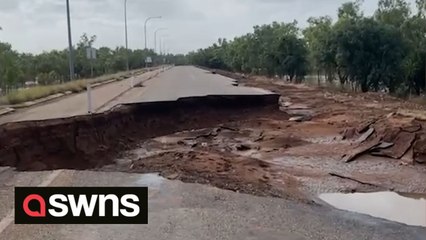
(409, 209)
(151, 180)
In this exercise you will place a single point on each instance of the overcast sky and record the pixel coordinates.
(38, 25)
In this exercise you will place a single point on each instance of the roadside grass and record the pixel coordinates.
(76, 86)
(34, 93)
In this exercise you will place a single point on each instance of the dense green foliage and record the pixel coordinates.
(386, 51)
(52, 67)
(271, 49)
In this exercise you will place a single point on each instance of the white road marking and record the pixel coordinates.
(6, 221)
(49, 179)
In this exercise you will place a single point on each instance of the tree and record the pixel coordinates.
(350, 11)
(369, 53)
(393, 12)
(10, 73)
(318, 36)
(385, 51)
(83, 65)
(292, 57)
(52, 67)
(274, 49)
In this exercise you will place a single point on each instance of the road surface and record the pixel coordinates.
(195, 212)
(180, 82)
(170, 85)
(76, 104)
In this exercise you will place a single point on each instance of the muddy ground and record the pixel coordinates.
(314, 141)
(297, 151)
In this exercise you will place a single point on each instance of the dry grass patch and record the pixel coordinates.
(38, 92)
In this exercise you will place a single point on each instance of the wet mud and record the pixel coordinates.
(289, 145)
(87, 142)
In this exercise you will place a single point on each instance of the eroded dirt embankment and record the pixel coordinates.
(292, 147)
(87, 142)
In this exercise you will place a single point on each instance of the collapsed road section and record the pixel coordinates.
(288, 145)
(86, 142)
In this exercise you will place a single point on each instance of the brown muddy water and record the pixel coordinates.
(409, 209)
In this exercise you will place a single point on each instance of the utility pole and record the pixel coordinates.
(91, 55)
(164, 47)
(163, 43)
(146, 21)
(161, 46)
(92, 58)
(155, 37)
(70, 48)
(125, 32)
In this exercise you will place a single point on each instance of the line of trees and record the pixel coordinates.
(386, 51)
(52, 67)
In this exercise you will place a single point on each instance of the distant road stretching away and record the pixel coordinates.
(170, 85)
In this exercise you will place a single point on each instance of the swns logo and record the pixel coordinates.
(77, 205)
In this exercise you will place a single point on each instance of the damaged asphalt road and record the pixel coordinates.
(192, 211)
(284, 151)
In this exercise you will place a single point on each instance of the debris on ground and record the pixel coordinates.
(296, 150)
(297, 119)
(361, 149)
(396, 135)
(300, 150)
(231, 172)
(365, 135)
(398, 147)
(353, 179)
(419, 149)
(243, 147)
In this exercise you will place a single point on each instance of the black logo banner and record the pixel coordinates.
(81, 205)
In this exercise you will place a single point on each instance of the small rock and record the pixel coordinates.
(403, 164)
(243, 147)
(420, 159)
(419, 150)
(297, 119)
(173, 176)
(390, 115)
(260, 138)
(191, 143)
(286, 104)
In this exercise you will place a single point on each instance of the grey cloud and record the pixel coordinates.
(37, 25)
(7, 5)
